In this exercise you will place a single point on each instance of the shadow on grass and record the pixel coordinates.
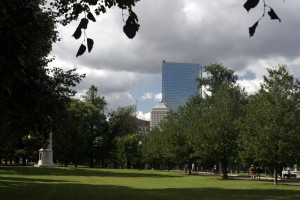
(62, 191)
(61, 171)
(12, 181)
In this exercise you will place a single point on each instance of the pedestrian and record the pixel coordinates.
(252, 171)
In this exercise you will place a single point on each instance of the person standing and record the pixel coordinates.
(252, 171)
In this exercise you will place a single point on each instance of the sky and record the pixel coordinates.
(128, 71)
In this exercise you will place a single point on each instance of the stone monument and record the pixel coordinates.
(46, 154)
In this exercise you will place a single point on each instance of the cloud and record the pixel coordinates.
(143, 116)
(119, 100)
(147, 95)
(195, 31)
(158, 96)
(150, 95)
(251, 86)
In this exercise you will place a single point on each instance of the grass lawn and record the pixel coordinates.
(29, 183)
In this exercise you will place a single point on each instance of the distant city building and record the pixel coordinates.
(159, 112)
(144, 126)
(179, 83)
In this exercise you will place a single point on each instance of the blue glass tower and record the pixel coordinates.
(179, 83)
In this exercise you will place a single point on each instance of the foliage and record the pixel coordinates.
(181, 131)
(250, 4)
(217, 74)
(203, 129)
(127, 150)
(69, 10)
(32, 96)
(155, 148)
(270, 128)
(123, 121)
(74, 136)
(98, 123)
(219, 116)
(223, 110)
(92, 97)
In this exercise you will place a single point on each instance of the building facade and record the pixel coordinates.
(159, 112)
(143, 126)
(179, 83)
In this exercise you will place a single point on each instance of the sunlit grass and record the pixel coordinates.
(84, 183)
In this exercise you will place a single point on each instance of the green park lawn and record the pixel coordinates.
(112, 184)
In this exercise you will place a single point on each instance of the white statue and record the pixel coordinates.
(46, 154)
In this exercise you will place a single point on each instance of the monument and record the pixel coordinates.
(46, 154)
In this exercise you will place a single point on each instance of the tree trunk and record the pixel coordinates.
(24, 161)
(190, 167)
(275, 176)
(17, 160)
(224, 169)
(102, 162)
(92, 159)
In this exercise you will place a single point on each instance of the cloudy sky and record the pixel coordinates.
(208, 31)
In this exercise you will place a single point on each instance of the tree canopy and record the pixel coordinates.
(32, 96)
(270, 128)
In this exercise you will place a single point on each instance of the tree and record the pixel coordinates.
(127, 150)
(270, 128)
(174, 141)
(225, 108)
(217, 74)
(156, 148)
(92, 97)
(123, 121)
(73, 135)
(100, 119)
(31, 95)
(181, 131)
(222, 111)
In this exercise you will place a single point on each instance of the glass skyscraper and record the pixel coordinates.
(179, 83)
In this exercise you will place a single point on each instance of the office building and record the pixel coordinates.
(159, 112)
(179, 83)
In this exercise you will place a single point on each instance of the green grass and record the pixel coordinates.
(107, 184)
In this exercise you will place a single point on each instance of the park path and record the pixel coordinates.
(294, 182)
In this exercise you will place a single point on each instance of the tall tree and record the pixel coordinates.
(73, 139)
(181, 129)
(100, 103)
(31, 95)
(156, 148)
(123, 121)
(271, 126)
(217, 74)
(127, 150)
(222, 110)
(93, 97)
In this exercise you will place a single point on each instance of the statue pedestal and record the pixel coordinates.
(45, 158)
(46, 154)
